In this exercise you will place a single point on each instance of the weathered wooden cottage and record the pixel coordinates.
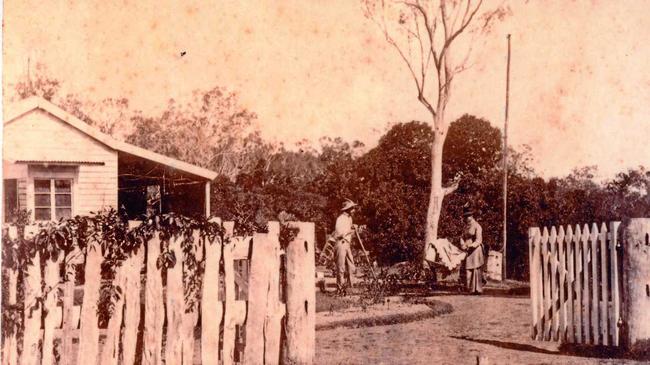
(56, 166)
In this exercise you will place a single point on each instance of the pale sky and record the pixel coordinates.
(580, 80)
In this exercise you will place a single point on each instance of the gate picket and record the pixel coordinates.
(554, 284)
(586, 297)
(547, 286)
(604, 286)
(595, 307)
(562, 285)
(570, 258)
(616, 307)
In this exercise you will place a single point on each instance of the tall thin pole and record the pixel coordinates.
(505, 166)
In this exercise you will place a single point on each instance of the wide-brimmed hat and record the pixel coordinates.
(468, 211)
(348, 204)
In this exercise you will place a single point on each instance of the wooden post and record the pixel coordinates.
(636, 284)
(52, 278)
(604, 325)
(154, 314)
(258, 290)
(561, 250)
(111, 351)
(535, 273)
(595, 308)
(10, 347)
(616, 306)
(505, 170)
(89, 331)
(275, 309)
(32, 313)
(175, 305)
(69, 323)
(131, 290)
(547, 286)
(301, 296)
(586, 296)
(554, 318)
(229, 296)
(211, 306)
(577, 313)
(190, 315)
(570, 254)
(207, 199)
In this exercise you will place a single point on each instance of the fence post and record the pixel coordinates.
(570, 254)
(175, 300)
(275, 309)
(190, 313)
(10, 348)
(535, 273)
(51, 279)
(89, 331)
(211, 306)
(69, 324)
(32, 312)
(131, 292)
(111, 349)
(10, 343)
(636, 284)
(228, 348)
(301, 296)
(258, 289)
(154, 314)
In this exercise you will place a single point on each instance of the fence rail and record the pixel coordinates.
(575, 281)
(241, 299)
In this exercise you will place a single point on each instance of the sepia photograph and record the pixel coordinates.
(325, 182)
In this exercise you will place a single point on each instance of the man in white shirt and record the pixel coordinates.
(343, 233)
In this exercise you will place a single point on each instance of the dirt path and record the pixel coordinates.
(492, 327)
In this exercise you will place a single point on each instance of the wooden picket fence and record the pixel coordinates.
(257, 306)
(575, 284)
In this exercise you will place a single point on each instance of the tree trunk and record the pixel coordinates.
(437, 193)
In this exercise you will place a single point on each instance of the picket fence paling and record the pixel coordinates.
(260, 315)
(574, 284)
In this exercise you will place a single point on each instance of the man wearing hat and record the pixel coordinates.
(343, 232)
(472, 242)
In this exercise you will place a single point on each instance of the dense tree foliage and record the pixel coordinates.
(391, 181)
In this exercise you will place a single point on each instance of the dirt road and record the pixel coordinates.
(495, 328)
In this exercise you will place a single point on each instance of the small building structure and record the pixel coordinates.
(57, 166)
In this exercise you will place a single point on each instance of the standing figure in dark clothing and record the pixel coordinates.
(472, 242)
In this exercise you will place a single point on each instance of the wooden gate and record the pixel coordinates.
(253, 290)
(575, 284)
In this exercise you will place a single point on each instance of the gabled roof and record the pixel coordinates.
(27, 105)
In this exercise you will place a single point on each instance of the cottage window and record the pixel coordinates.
(52, 199)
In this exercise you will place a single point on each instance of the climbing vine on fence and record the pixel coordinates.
(117, 243)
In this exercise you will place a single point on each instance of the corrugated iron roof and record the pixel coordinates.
(25, 106)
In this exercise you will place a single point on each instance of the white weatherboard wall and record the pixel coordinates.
(40, 136)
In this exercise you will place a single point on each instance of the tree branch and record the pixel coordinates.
(451, 188)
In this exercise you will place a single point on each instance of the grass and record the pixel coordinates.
(333, 303)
